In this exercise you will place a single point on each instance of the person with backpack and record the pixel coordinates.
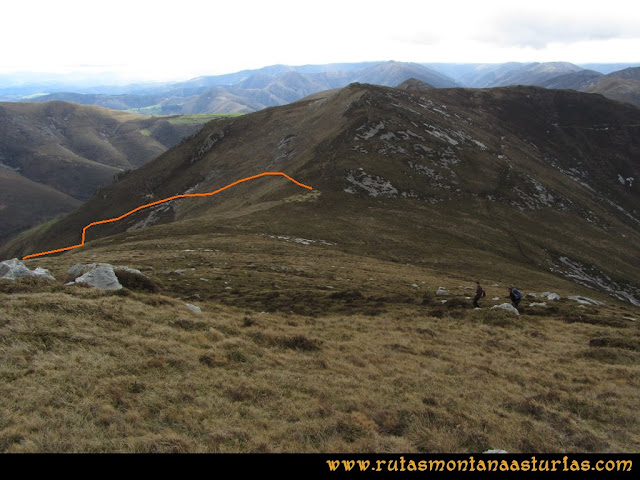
(515, 296)
(479, 294)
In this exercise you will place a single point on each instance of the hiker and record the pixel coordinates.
(479, 294)
(515, 296)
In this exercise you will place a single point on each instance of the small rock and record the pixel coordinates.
(550, 296)
(441, 292)
(531, 295)
(538, 304)
(133, 271)
(496, 450)
(414, 285)
(193, 308)
(44, 273)
(506, 307)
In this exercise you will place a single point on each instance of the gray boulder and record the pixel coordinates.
(80, 269)
(102, 277)
(507, 307)
(14, 268)
(442, 292)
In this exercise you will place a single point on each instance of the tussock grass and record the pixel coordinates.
(134, 281)
(281, 363)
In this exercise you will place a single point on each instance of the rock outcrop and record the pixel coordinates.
(585, 300)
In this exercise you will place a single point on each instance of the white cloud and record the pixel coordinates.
(538, 29)
(167, 39)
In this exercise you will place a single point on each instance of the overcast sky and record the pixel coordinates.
(163, 40)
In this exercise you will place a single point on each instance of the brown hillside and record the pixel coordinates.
(73, 150)
(503, 176)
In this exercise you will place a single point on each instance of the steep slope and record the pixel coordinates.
(483, 75)
(620, 89)
(623, 86)
(533, 74)
(493, 183)
(73, 150)
(632, 73)
(574, 80)
(24, 203)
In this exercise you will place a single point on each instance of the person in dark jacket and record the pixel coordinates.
(479, 294)
(515, 296)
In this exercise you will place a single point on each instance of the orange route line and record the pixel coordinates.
(184, 195)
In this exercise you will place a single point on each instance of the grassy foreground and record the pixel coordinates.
(305, 350)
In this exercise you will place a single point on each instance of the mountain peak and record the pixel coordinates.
(413, 84)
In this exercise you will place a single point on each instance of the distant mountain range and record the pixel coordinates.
(253, 90)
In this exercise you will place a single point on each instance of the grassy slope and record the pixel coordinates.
(370, 364)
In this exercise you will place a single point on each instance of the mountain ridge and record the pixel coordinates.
(535, 166)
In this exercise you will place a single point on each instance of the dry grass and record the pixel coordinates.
(368, 366)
